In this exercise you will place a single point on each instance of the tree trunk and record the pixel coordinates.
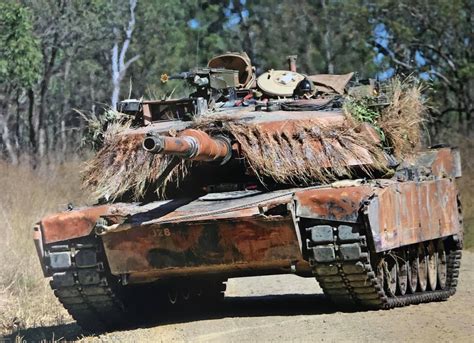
(5, 130)
(31, 125)
(18, 122)
(64, 140)
(64, 112)
(119, 66)
(116, 79)
(48, 73)
(327, 39)
(7, 142)
(247, 43)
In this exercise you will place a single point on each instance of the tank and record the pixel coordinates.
(254, 176)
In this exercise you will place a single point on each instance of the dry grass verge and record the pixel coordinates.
(26, 195)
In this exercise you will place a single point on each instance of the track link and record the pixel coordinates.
(83, 284)
(341, 262)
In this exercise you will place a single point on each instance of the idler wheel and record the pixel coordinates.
(403, 268)
(442, 264)
(422, 268)
(412, 270)
(390, 269)
(432, 265)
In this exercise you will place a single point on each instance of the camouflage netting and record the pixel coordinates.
(301, 154)
(401, 120)
(298, 154)
(399, 123)
(122, 165)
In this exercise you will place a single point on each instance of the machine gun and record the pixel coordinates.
(210, 83)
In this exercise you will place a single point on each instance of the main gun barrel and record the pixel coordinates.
(190, 144)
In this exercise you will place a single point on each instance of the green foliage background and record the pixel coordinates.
(55, 55)
(19, 52)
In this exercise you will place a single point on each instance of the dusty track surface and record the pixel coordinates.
(289, 308)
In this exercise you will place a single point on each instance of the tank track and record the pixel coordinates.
(97, 300)
(83, 284)
(342, 264)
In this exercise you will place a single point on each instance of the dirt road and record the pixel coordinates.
(289, 308)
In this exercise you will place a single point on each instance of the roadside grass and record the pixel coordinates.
(26, 195)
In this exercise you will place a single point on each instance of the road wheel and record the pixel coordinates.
(390, 269)
(412, 270)
(432, 265)
(442, 264)
(422, 267)
(403, 268)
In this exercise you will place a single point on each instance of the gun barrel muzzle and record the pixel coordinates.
(190, 144)
(179, 146)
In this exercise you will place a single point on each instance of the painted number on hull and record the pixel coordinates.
(161, 232)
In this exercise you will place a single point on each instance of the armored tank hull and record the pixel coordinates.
(373, 244)
(275, 188)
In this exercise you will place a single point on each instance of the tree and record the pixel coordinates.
(326, 35)
(66, 30)
(119, 65)
(19, 65)
(432, 40)
(60, 55)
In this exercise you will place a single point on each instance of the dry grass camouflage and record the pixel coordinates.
(292, 156)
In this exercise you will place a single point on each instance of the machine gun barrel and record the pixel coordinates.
(182, 76)
(190, 144)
